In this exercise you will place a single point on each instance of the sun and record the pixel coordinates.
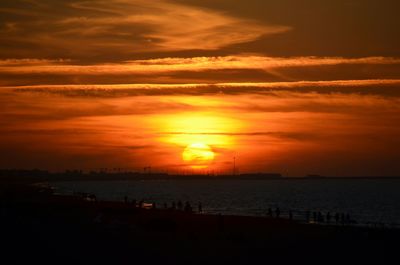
(198, 155)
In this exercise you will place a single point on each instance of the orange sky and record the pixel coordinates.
(283, 87)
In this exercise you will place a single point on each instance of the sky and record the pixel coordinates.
(188, 86)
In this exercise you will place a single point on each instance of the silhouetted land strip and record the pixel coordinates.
(38, 227)
(77, 175)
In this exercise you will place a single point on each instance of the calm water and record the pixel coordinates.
(366, 200)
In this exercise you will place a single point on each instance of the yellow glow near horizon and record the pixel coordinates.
(199, 138)
(188, 128)
(198, 155)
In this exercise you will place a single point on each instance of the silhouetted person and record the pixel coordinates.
(342, 218)
(337, 218)
(290, 215)
(315, 217)
(320, 217)
(173, 206)
(180, 206)
(328, 217)
(188, 207)
(165, 205)
(277, 212)
(348, 221)
(134, 203)
(270, 212)
(200, 207)
(141, 204)
(308, 215)
(154, 206)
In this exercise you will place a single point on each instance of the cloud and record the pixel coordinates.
(197, 70)
(285, 135)
(173, 26)
(26, 107)
(31, 62)
(120, 27)
(260, 62)
(384, 87)
(197, 64)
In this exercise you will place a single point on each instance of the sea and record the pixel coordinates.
(367, 201)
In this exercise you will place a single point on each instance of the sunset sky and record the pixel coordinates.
(184, 86)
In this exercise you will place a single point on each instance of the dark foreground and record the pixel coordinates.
(37, 227)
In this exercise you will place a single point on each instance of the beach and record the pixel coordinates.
(38, 226)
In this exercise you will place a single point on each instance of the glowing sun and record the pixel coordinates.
(198, 155)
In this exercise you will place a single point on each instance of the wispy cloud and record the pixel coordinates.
(172, 26)
(89, 28)
(272, 134)
(31, 62)
(386, 87)
(197, 64)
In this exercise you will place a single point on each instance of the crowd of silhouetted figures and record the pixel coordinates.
(328, 218)
(309, 217)
(315, 217)
(175, 206)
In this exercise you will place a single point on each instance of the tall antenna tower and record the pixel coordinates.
(234, 166)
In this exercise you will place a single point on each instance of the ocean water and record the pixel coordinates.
(366, 200)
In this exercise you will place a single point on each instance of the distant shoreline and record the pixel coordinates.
(188, 178)
(43, 176)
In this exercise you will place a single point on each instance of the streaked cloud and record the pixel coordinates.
(85, 29)
(198, 70)
(384, 87)
(30, 62)
(152, 66)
